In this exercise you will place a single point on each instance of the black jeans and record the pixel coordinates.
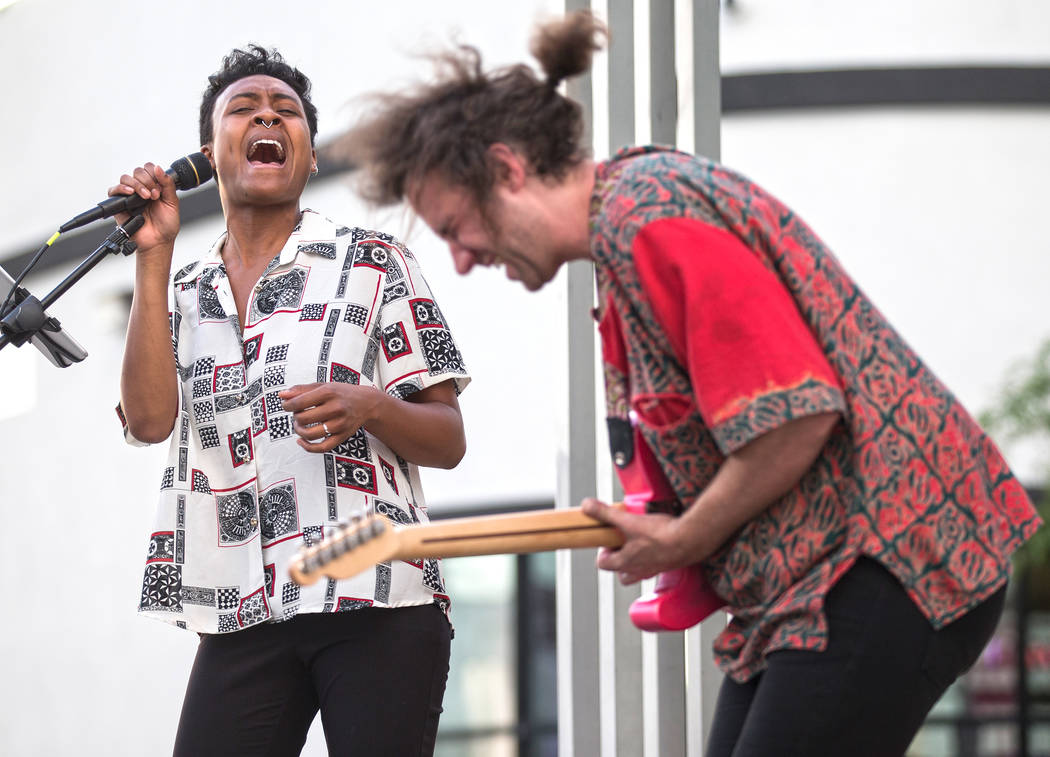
(377, 675)
(868, 693)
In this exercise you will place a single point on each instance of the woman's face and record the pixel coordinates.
(261, 150)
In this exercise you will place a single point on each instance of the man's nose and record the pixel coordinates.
(267, 118)
(462, 259)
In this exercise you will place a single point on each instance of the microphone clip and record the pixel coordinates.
(119, 242)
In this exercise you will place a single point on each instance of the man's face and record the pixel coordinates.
(502, 236)
(261, 147)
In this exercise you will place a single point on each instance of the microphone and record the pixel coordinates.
(188, 172)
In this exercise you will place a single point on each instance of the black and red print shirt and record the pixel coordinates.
(239, 497)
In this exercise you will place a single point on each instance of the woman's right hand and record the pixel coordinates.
(161, 214)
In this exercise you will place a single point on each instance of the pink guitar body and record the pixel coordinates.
(682, 598)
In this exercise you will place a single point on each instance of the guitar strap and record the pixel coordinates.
(640, 475)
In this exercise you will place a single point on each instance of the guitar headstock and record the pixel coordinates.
(355, 547)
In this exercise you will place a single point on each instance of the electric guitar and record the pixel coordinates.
(682, 597)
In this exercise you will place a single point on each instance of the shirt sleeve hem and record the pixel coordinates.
(460, 379)
(771, 410)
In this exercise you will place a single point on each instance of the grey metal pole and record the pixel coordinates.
(663, 81)
(621, 652)
(663, 654)
(704, 677)
(707, 80)
(621, 73)
(673, 672)
(576, 594)
(577, 577)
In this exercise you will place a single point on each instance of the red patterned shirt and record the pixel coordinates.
(725, 317)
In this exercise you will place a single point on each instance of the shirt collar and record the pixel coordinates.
(311, 226)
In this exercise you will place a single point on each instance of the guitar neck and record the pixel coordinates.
(535, 531)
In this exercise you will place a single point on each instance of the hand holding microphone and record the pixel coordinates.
(152, 189)
(187, 173)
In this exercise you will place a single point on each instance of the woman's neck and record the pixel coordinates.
(258, 233)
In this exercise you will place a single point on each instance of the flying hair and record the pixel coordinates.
(445, 127)
(565, 48)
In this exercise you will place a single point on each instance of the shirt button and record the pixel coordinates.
(255, 522)
(620, 458)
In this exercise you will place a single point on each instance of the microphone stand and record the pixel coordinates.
(26, 319)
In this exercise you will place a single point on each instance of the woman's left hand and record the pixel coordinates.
(652, 543)
(327, 414)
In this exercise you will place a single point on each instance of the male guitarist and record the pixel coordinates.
(856, 521)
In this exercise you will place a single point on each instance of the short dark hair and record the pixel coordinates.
(448, 126)
(243, 63)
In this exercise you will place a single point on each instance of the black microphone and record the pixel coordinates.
(188, 172)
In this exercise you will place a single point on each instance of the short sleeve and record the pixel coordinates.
(417, 349)
(752, 359)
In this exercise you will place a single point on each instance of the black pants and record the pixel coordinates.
(868, 693)
(377, 676)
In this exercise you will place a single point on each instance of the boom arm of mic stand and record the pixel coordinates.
(27, 318)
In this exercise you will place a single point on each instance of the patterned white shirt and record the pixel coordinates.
(239, 497)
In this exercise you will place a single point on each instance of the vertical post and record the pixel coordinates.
(621, 73)
(707, 80)
(704, 676)
(621, 643)
(663, 81)
(524, 643)
(673, 672)
(1024, 698)
(663, 654)
(577, 579)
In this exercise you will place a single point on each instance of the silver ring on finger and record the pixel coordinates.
(327, 433)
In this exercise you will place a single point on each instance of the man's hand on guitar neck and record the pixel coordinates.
(652, 543)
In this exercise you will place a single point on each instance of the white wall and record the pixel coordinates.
(934, 210)
(93, 87)
(764, 35)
